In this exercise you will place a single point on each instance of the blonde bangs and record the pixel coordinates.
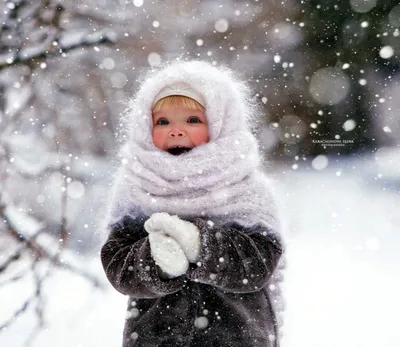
(178, 100)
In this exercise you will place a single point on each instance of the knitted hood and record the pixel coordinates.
(220, 179)
(228, 100)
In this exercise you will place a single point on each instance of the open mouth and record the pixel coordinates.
(177, 150)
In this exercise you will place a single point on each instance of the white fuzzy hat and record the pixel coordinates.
(179, 89)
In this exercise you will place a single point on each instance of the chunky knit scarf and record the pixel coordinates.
(220, 180)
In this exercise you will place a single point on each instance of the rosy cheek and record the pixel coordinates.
(158, 138)
(201, 137)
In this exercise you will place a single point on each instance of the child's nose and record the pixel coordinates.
(177, 133)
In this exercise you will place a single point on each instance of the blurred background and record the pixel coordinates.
(327, 76)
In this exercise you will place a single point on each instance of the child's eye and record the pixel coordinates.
(162, 122)
(194, 120)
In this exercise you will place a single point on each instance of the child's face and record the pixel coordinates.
(175, 126)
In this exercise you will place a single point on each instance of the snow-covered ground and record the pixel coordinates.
(343, 275)
(341, 285)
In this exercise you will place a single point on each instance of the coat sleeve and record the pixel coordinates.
(234, 259)
(128, 264)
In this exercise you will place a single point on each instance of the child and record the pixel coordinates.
(194, 234)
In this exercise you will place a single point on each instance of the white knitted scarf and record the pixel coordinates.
(219, 180)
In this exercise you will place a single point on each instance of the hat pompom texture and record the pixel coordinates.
(228, 102)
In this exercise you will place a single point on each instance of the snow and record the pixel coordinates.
(76, 313)
(386, 52)
(386, 165)
(6, 58)
(320, 162)
(201, 322)
(221, 25)
(341, 285)
(71, 38)
(362, 81)
(343, 260)
(154, 59)
(349, 125)
(329, 86)
(342, 217)
(363, 6)
(76, 190)
(138, 3)
(20, 220)
(277, 58)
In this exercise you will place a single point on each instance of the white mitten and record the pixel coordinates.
(185, 233)
(168, 255)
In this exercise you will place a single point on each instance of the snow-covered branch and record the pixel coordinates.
(26, 230)
(59, 46)
(35, 31)
(42, 248)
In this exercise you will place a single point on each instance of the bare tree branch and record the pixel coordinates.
(47, 18)
(32, 32)
(59, 46)
(41, 253)
(35, 297)
(16, 314)
(14, 257)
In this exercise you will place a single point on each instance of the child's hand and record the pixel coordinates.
(184, 232)
(168, 255)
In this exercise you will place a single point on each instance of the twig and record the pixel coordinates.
(11, 259)
(57, 48)
(41, 253)
(16, 314)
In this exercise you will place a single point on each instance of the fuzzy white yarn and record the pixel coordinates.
(219, 180)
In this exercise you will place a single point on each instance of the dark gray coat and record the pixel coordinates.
(221, 303)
